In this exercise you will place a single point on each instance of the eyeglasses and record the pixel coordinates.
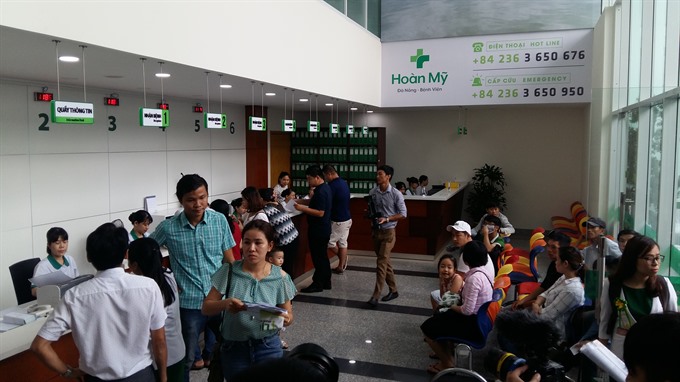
(653, 259)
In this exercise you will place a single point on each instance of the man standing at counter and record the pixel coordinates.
(389, 205)
(112, 317)
(199, 241)
(341, 220)
(318, 211)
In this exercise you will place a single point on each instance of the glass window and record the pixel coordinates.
(374, 17)
(632, 125)
(356, 10)
(674, 260)
(338, 4)
(635, 52)
(654, 171)
(659, 47)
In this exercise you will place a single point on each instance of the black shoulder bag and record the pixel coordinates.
(215, 373)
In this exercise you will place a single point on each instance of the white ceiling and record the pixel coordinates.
(31, 57)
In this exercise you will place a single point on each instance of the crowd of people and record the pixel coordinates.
(224, 257)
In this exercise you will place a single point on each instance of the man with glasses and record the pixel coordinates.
(595, 231)
(554, 242)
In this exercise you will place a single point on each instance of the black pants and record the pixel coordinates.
(318, 247)
(290, 256)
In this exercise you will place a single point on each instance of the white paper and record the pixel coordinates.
(290, 206)
(53, 278)
(605, 360)
(150, 204)
(256, 307)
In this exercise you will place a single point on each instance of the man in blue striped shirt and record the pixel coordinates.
(199, 241)
(389, 204)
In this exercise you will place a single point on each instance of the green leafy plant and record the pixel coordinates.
(488, 185)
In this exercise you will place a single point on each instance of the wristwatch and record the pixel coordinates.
(68, 373)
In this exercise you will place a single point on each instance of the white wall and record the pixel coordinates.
(79, 176)
(540, 149)
(302, 44)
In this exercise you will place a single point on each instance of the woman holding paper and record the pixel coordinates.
(250, 337)
(57, 260)
(634, 291)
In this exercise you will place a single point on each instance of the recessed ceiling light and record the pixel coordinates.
(329, 104)
(303, 100)
(225, 86)
(162, 75)
(352, 361)
(68, 59)
(354, 109)
(270, 94)
(369, 341)
(369, 111)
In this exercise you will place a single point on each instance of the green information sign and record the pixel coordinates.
(154, 117)
(72, 112)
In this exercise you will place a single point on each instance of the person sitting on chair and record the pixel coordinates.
(492, 208)
(461, 321)
(492, 240)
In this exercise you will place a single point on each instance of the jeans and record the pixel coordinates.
(240, 355)
(193, 322)
(209, 344)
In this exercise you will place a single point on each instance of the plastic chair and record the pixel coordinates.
(458, 375)
(21, 272)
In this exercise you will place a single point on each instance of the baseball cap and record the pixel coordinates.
(460, 226)
(595, 222)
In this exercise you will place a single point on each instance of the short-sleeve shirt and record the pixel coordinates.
(196, 253)
(341, 195)
(50, 264)
(283, 225)
(111, 317)
(274, 289)
(322, 200)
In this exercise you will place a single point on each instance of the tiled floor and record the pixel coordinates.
(386, 343)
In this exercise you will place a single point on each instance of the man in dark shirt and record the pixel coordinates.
(554, 242)
(318, 211)
(341, 220)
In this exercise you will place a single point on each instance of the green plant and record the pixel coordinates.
(488, 185)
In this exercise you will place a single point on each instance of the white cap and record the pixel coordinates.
(460, 226)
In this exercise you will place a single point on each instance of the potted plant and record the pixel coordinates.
(488, 185)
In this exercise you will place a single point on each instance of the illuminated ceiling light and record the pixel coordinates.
(162, 75)
(303, 100)
(369, 341)
(329, 104)
(354, 109)
(270, 94)
(369, 111)
(225, 86)
(352, 361)
(68, 59)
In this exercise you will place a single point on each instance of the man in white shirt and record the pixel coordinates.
(111, 316)
(460, 235)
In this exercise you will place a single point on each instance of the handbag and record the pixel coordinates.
(215, 373)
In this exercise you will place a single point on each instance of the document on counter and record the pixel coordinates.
(54, 278)
(290, 206)
(605, 359)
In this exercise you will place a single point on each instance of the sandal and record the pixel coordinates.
(284, 344)
(198, 365)
(435, 368)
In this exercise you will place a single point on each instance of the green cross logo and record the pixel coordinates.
(420, 58)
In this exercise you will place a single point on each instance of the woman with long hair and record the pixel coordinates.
(254, 204)
(144, 257)
(634, 291)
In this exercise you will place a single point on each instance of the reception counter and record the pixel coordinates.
(423, 232)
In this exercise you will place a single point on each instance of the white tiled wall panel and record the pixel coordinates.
(69, 186)
(187, 162)
(15, 195)
(228, 171)
(15, 245)
(13, 105)
(135, 176)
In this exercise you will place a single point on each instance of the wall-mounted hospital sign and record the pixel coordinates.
(154, 117)
(288, 125)
(257, 123)
(334, 128)
(313, 126)
(215, 121)
(364, 130)
(518, 68)
(350, 129)
(72, 112)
